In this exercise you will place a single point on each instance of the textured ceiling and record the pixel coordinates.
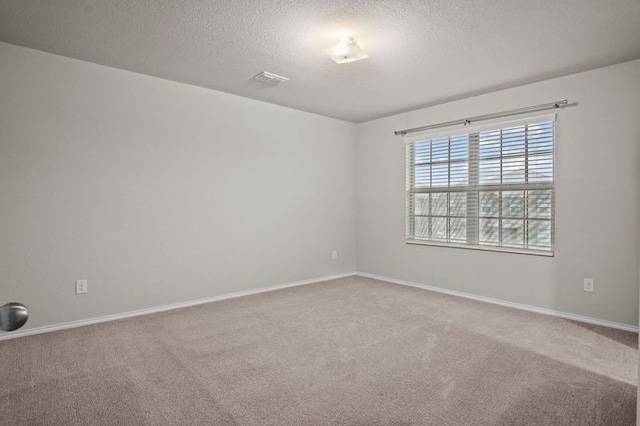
(421, 52)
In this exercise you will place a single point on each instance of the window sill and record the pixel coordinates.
(511, 250)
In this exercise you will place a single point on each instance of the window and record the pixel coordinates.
(487, 187)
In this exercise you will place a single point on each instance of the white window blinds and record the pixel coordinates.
(487, 187)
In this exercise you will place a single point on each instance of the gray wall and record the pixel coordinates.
(159, 192)
(597, 193)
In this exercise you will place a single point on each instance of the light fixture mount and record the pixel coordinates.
(347, 50)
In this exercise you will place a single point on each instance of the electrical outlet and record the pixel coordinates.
(81, 286)
(334, 255)
(588, 285)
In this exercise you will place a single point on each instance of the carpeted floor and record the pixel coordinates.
(353, 351)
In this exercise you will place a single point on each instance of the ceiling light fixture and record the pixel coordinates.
(347, 50)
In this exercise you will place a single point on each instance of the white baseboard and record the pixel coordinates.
(147, 311)
(520, 306)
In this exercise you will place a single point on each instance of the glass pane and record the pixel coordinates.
(421, 152)
(460, 148)
(540, 137)
(513, 141)
(459, 174)
(513, 170)
(421, 227)
(541, 168)
(458, 231)
(489, 172)
(421, 204)
(539, 234)
(439, 204)
(489, 144)
(440, 149)
(513, 233)
(489, 231)
(423, 176)
(489, 203)
(440, 175)
(458, 204)
(539, 204)
(513, 204)
(439, 228)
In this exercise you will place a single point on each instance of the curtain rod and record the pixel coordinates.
(466, 121)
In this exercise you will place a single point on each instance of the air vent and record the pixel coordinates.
(271, 78)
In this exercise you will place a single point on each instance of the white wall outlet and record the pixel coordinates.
(588, 285)
(334, 255)
(81, 286)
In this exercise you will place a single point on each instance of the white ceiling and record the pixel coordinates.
(421, 52)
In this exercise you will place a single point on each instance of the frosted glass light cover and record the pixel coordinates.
(347, 50)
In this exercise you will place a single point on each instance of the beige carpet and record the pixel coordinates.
(353, 351)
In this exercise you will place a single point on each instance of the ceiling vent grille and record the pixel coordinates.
(270, 78)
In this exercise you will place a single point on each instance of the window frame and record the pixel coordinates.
(473, 187)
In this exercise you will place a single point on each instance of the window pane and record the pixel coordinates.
(422, 152)
(513, 170)
(460, 148)
(489, 144)
(512, 204)
(489, 231)
(541, 168)
(421, 227)
(539, 234)
(458, 231)
(439, 204)
(422, 204)
(513, 233)
(440, 149)
(539, 204)
(489, 172)
(540, 137)
(459, 174)
(439, 228)
(440, 175)
(513, 141)
(423, 176)
(489, 203)
(458, 204)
